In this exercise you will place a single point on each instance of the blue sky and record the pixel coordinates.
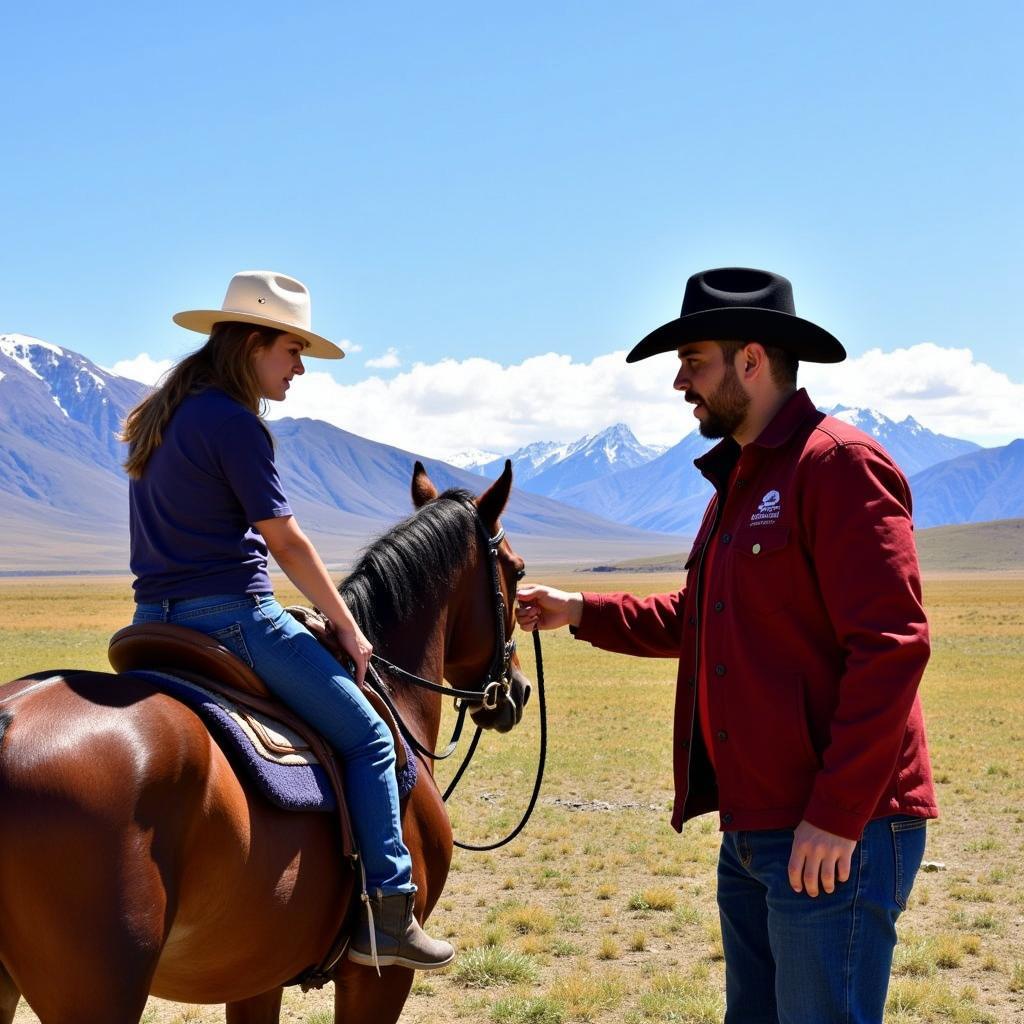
(460, 180)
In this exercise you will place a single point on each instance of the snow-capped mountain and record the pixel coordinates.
(591, 458)
(59, 419)
(37, 372)
(470, 458)
(914, 447)
(666, 494)
(527, 462)
(547, 467)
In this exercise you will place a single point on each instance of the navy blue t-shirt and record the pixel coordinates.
(191, 513)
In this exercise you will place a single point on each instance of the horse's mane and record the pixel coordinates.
(410, 565)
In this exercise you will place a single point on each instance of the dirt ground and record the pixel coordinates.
(599, 911)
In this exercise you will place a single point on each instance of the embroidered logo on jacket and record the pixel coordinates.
(769, 510)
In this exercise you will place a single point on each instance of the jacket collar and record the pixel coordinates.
(797, 412)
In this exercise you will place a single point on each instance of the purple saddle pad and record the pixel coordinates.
(293, 787)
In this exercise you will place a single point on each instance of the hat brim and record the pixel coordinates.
(808, 342)
(203, 321)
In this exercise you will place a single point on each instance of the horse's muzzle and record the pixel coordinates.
(507, 707)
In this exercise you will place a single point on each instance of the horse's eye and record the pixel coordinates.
(521, 573)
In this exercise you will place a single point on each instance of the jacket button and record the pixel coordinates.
(726, 537)
(693, 620)
(719, 670)
(719, 605)
(685, 744)
(726, 819)
(691, 682)
(722, 735)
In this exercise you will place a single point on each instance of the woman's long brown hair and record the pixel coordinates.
(224, 362)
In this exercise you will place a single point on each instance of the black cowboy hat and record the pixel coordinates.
(739, 304)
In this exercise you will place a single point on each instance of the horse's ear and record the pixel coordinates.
(423, 489)
(493, 501)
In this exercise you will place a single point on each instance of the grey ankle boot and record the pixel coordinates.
(397, 935)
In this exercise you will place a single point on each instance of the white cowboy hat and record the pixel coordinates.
(268, 299)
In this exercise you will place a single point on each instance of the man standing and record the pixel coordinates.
(801, 642)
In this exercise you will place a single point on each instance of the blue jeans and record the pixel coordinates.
(791, 959)
(305, 677)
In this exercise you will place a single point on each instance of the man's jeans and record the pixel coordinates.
(297, 669)
(791, 959)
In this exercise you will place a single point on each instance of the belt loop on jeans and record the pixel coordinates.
(166, 602)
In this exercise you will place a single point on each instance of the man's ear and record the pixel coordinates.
(753, 358)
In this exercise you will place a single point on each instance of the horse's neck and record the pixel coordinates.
(418, 646)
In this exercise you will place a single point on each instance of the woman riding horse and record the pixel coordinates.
(135, 861)
(206, 504)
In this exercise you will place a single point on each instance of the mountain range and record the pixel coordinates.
(664, 492)
(65, 496)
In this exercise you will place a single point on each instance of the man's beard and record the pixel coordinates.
(725, 409)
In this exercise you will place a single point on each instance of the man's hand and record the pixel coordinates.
(818, 854)
(541, 607)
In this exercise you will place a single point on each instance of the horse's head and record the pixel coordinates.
(479, 651)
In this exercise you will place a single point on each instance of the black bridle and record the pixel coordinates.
(494, 688)
(498, 681)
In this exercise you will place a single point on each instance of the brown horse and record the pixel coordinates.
(134, 862)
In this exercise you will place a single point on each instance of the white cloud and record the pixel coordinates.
(142, 368)
(438, 409)
(944, 389)
(388, 361)
(350, 348)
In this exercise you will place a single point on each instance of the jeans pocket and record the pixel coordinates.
(908, 838)
(232, 638)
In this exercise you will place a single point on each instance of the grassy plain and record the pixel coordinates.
(599, 911)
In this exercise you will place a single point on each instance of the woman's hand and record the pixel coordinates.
(356, 646)
(540, 607)
(300, 562)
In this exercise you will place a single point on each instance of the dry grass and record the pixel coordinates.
(546, 926)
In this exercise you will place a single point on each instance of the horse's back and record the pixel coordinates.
(116, 802)
(103, 744)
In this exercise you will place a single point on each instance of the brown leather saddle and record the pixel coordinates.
(198, 658)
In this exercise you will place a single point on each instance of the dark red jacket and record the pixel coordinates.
(815, 642)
